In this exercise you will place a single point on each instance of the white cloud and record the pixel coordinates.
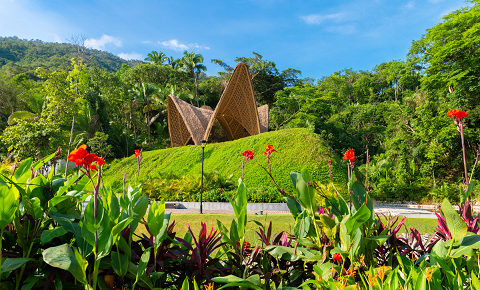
(132, 55)
(146, 42)
(102, 41)
(175, 45)
(409, 5)
(317, 18)
(436, 1)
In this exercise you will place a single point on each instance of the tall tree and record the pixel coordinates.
(144, 92)
(156, 57)
(449, 53)
(266, 78)
(193, 63)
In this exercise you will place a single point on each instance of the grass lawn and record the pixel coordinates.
(280, 222)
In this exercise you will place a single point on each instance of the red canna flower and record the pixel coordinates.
(78, 155)
(88, 161)
(269, 150)
(349, 155)
(458, 114)
(137, 152)
(248, 154)
(101, 161)
(337, 257)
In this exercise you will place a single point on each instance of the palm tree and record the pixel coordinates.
(143, 91)
(193, 63)
(156, 57)
(174, 63)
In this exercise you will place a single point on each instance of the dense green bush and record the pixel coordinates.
(184, 188)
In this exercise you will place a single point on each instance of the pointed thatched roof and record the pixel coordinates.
(186, 121)
(236, 112)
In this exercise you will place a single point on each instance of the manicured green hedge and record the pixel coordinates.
(297, 148)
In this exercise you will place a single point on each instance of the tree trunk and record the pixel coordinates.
(196, 85)
(69, 144)
(148, 123)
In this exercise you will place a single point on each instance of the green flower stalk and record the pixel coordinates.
(458, 115)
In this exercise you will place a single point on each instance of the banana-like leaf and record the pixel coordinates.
(65, 258)
(8, 206)
(457, 226)
(11, 264)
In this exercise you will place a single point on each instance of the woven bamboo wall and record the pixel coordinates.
(236, 112)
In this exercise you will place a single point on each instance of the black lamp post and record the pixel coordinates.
(203, 144)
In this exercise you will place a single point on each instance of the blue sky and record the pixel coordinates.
(316, 37)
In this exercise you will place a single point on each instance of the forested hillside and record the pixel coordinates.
(24, 56)
(397, 111)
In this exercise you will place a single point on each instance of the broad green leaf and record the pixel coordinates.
(34, 208)
(326, 221)
(440, 250)
(155, 221)
(11, 264)
(118, 228)
(8, 206)
(468, 192)
(421, 282)
(120, 263)
(354, 222)
(30, 282)
(302, 225)
(105, 238)
(23, 168)
(71, 179)
(112, 204)
(289, 254)
(380, 240)
(141, 207)
(241, 212)
(89, 215)
(475, 281)
(49, 235)
(357, 238)
(133, 270)
(455, 223)
(293, 205)
(329, 226)
(185, 284)
(344, 236)
(36, 188)
(142, 264)
(241, 285)
(305, 193)
(63, 257)
(56, 200)
(468, 244)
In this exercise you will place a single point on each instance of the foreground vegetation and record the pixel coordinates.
(131, 243)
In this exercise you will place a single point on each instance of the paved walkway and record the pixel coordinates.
(403, 211)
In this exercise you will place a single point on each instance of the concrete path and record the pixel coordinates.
(403, 211)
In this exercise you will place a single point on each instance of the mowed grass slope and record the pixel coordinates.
(297, 148)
